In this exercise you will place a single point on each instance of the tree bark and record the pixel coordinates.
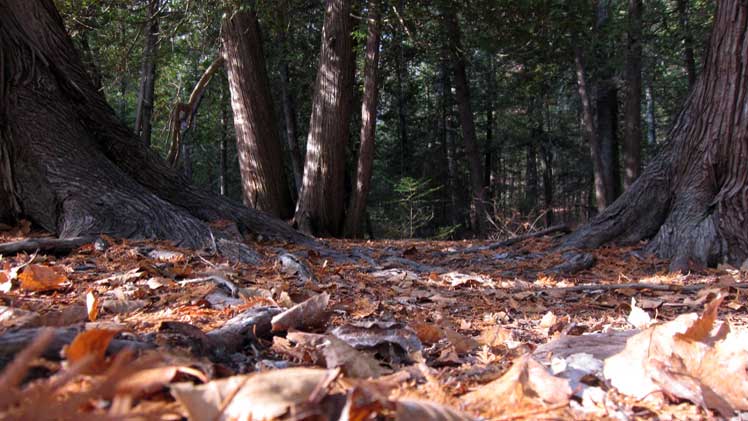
(467, 122)
(650, 114)
(402, 101)
(289, 109)
(590, 130)
(258, 142)
(144, 107)
(691, 199)
(357, 208)
(632, 138)
(689, 60)
(74, 169)
(320, 208)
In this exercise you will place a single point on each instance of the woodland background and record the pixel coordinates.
(521, 80)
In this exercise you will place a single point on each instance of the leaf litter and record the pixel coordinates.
(405, 330)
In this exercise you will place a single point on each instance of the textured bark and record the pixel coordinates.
(320, 208)
(689, 60)
(589, 130)
(467, 123)
(691, 200)
(74, 168)
(447, 142)
(223, 146)
(632, 138)
(357, 208)
(258, 142)
(144, 106)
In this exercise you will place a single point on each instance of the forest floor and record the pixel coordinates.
(408, 330)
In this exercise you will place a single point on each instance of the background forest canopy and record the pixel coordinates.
(533, 155)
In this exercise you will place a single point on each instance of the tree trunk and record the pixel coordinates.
(144, 107)
(632, 138)
(320, 208)
(650, 115)
(258, 142)
(467, 122)
(72, 167)
(606, 108)
(689, 61)
(223, 146)
(546, 153)
(289, 110)
(445, 129)
(357, 208)
(402, 103)
(691, 199)
(590, 131)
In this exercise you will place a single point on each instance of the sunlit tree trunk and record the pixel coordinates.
(689, 60)
(320, 208)
(258, 143)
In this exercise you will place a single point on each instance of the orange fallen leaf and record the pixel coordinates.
(92, 306)
(5, 283)
(91, 344)
(428, 333)
(42, 278)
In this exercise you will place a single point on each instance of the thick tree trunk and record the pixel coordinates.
(689, 60)
(258, 142)
(445, 130)
(691, 199)
(357, 208)
(223, 146)
(74, 169)
(632, 138)
(320, 208)
(144, 106)
(467, 122)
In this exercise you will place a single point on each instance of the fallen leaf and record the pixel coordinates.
(548, 320)
(495, 336)
(310, 313)
(122, 306)
(91, 344)
(261, 396)
(92, 306)
(373, 333)
(417, 410)
(463, 344)
(638, 318)
(167, 256)
(428, 333)
(40, 278)
(526, 383)
(5, 283)
(150, 380)
(336, 353)
(690, 357)
(16, 317)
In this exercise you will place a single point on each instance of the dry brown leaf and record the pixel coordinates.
(420, 410)
(336, 353)
(428, 333)
(463, 344)
(638, 318)
(310, 313)
(42, 278)
(91, 343)
(678, 358)
(261, 396)
(150, 380)
(5, 283)
(92, 306)
(370, 334)
(527, 383)
(495, 336)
